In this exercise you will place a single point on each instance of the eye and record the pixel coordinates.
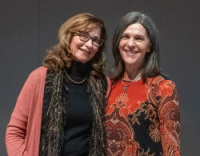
(84, 34)
(125, 36)
(139, 38)
(96, 39)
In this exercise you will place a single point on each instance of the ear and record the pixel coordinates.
(148, 49)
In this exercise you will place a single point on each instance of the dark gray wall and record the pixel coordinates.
(29, 28)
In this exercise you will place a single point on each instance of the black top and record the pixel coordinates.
(79, 112)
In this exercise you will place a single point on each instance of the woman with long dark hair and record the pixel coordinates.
(60, 110)
(142, 116)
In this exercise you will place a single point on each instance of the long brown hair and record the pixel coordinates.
(60, 55)
(151, 68)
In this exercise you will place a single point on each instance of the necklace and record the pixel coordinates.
(73, 80)
(125, 86)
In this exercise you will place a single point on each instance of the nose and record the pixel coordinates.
(89, 43)
(131, 43)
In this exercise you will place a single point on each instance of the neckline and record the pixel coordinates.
(127, 82)
(77, 69)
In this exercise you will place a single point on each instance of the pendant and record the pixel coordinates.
(124, 90)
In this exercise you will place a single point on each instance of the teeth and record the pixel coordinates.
(131, 52)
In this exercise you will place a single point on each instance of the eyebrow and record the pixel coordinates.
(99, 37)
(140, 36)
(95, 37)
(134, 35)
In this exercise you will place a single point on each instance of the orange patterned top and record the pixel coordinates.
(145, 120)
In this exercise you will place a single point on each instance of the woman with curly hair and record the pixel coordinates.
(60, 110)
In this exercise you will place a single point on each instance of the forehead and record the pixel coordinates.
(94, 31)
(135, 28)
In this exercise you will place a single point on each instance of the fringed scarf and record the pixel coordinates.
(54, 128)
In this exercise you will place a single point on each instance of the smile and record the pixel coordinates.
(131, 52)
(85, 51)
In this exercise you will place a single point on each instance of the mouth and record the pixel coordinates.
(130, 52)
(85, 51)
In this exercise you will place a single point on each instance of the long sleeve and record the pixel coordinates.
(169, 116)
(23, 130)
(16, 129)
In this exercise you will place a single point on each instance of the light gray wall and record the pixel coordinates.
(29, 28)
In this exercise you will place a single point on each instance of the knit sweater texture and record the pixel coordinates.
(24, 128)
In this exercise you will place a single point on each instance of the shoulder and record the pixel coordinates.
(160, 81)
(37, 75)
(39, 71)
(163, 86)
(164, 82)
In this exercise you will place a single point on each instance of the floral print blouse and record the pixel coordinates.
(145, 121)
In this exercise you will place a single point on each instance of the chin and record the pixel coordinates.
(82, 60)
(130, 62)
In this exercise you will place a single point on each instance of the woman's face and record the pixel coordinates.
(134, 45)
(84, 51)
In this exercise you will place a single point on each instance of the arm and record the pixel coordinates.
(16, 129)
(169, 116)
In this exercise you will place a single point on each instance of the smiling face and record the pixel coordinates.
(134, 45)
(84, 51)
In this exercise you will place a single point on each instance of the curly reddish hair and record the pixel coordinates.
(60, 55)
